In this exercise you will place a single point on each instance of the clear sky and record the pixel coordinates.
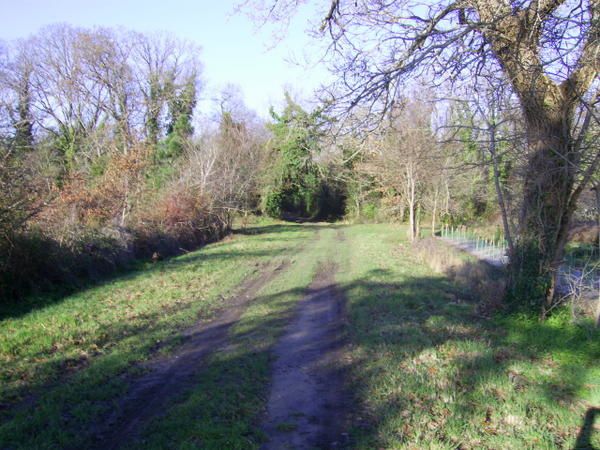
(233, 50)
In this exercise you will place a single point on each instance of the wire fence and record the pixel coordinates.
(494, 251)
(579, 277)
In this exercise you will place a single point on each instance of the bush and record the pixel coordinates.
(178, 219)
(369, 211)
(272, 203)
(94, 228)
(33, 260)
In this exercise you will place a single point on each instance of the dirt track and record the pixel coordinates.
(168, 377)
(307, 403)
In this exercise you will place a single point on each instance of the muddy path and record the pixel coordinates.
(307, 405)
(171, 376)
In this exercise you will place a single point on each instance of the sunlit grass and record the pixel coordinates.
(68, 356)
(429, 373)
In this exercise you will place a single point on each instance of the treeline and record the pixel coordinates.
(430, 168)
(452, 162)
(465, 161)
(99, 161)
(103, 159)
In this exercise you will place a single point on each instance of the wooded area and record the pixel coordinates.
(102, 164)
(542, 57)
(408, 257)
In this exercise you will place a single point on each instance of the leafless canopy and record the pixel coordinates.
(375, 44)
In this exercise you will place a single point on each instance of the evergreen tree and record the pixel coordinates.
(181, 109)
(295, 187)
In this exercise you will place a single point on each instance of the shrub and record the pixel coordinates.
(369, 211)
(178, 219)
(95, 227)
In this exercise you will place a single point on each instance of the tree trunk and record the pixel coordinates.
(447, 199)
(546, 210)
(499, 192)
(412, 221)
(434, 212)
(358, 199)
(418, 224)
(598, 312)
(412, 203)
(596, 190)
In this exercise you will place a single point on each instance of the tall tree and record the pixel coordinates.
(15, 82)
(107, 60)
(547, 51)
(405, 157)
(163, 66)
(181, 109)
(294, 187)
(69, 105)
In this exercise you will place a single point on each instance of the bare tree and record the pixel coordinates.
(107, 60)
(16, 101)
(67, 104)
(163, 65)
(404, 156)
(225, 166)
(86, 87)
(546, 49)
(491, 119)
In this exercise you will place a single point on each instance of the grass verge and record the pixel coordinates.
(63, 364)
(430, 372)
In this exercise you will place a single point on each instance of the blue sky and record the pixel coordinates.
(233, 50)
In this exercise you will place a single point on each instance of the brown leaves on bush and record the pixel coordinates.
(178, 208)
(99, 201)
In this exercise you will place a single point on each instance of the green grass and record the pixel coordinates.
(224, 410)
(429, 373)
(426, 370)
(69, 356)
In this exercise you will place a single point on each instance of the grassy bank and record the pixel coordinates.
(66, 361)
(429, 372)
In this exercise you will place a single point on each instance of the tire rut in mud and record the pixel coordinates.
(169, 377)
(307, 405)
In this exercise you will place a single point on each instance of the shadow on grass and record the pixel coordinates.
(584, 439)
(392, 322)
(405, 320)
(413, 322)
(48, 294)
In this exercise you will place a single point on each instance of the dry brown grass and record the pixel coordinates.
(482, 282)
